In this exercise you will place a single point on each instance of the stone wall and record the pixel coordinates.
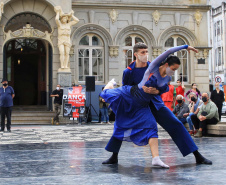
(133, 19)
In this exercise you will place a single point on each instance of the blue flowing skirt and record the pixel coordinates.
(134, 120)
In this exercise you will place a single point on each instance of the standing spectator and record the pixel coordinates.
(6, 102)
(180, 89)
(181, 109)
(169, 97)
(217, 96)
(104, 109)
(58, 94)
(208, 114)
(194, 107)
(193, 89)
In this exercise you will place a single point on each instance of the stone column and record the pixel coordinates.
(202, 68)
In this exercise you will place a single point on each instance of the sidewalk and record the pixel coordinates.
(60, 133)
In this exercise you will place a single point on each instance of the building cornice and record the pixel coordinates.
(139, 6)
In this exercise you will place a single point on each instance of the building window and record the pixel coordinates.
(219, 31)
(219, 56)
(127, 47)
(91, 58)
(182, 72)
(216, 55)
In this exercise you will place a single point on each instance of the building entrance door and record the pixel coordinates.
(26, 71)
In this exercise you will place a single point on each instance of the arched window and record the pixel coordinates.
(127, 47)
(182, 72)
(91, 58)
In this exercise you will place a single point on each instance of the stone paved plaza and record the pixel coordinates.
(72, 154)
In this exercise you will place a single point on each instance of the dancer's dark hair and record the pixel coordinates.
(171, 60)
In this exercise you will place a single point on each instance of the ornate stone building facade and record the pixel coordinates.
(102, 41)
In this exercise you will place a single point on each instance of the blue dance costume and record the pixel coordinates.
(135, 121)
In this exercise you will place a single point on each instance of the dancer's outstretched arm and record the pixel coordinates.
(157, 61)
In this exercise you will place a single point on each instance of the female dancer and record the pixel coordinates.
(134, 120)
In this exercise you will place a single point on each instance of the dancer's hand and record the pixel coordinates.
(113, 82)
(150, 90)
(190, 48)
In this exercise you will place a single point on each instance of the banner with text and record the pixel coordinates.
(74, 102)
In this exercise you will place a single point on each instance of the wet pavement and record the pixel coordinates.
(73, 155)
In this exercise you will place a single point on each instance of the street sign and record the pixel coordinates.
(218, 79)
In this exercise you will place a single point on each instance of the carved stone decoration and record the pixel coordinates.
(1, 10)
(156, 52)
(113, 51)
(206, 53)
(198, 17)
(203, 53)
(28, 32)
(64, 23)
(113, 14)
(156, 16)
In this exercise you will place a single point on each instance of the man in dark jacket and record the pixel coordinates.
(58, 94)
(6, 102)
(181, 109)
(217, 96)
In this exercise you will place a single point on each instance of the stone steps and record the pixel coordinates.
(218, 129)
(31, 115)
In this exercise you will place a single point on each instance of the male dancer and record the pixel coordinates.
(131, 77)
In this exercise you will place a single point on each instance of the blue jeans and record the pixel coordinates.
(183, 120)
(190, 121)
(104, 113)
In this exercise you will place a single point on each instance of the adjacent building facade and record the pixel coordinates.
(102, 41)
(218, 42)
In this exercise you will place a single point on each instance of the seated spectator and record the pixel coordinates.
(194, 107)
(193, 89)
(181, 109)
(208, 114)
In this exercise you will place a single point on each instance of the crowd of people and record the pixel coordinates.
(194, 108)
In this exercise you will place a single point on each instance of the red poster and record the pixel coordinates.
(74, 101)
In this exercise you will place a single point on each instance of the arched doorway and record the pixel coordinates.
(27, 58)
(25, 68)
